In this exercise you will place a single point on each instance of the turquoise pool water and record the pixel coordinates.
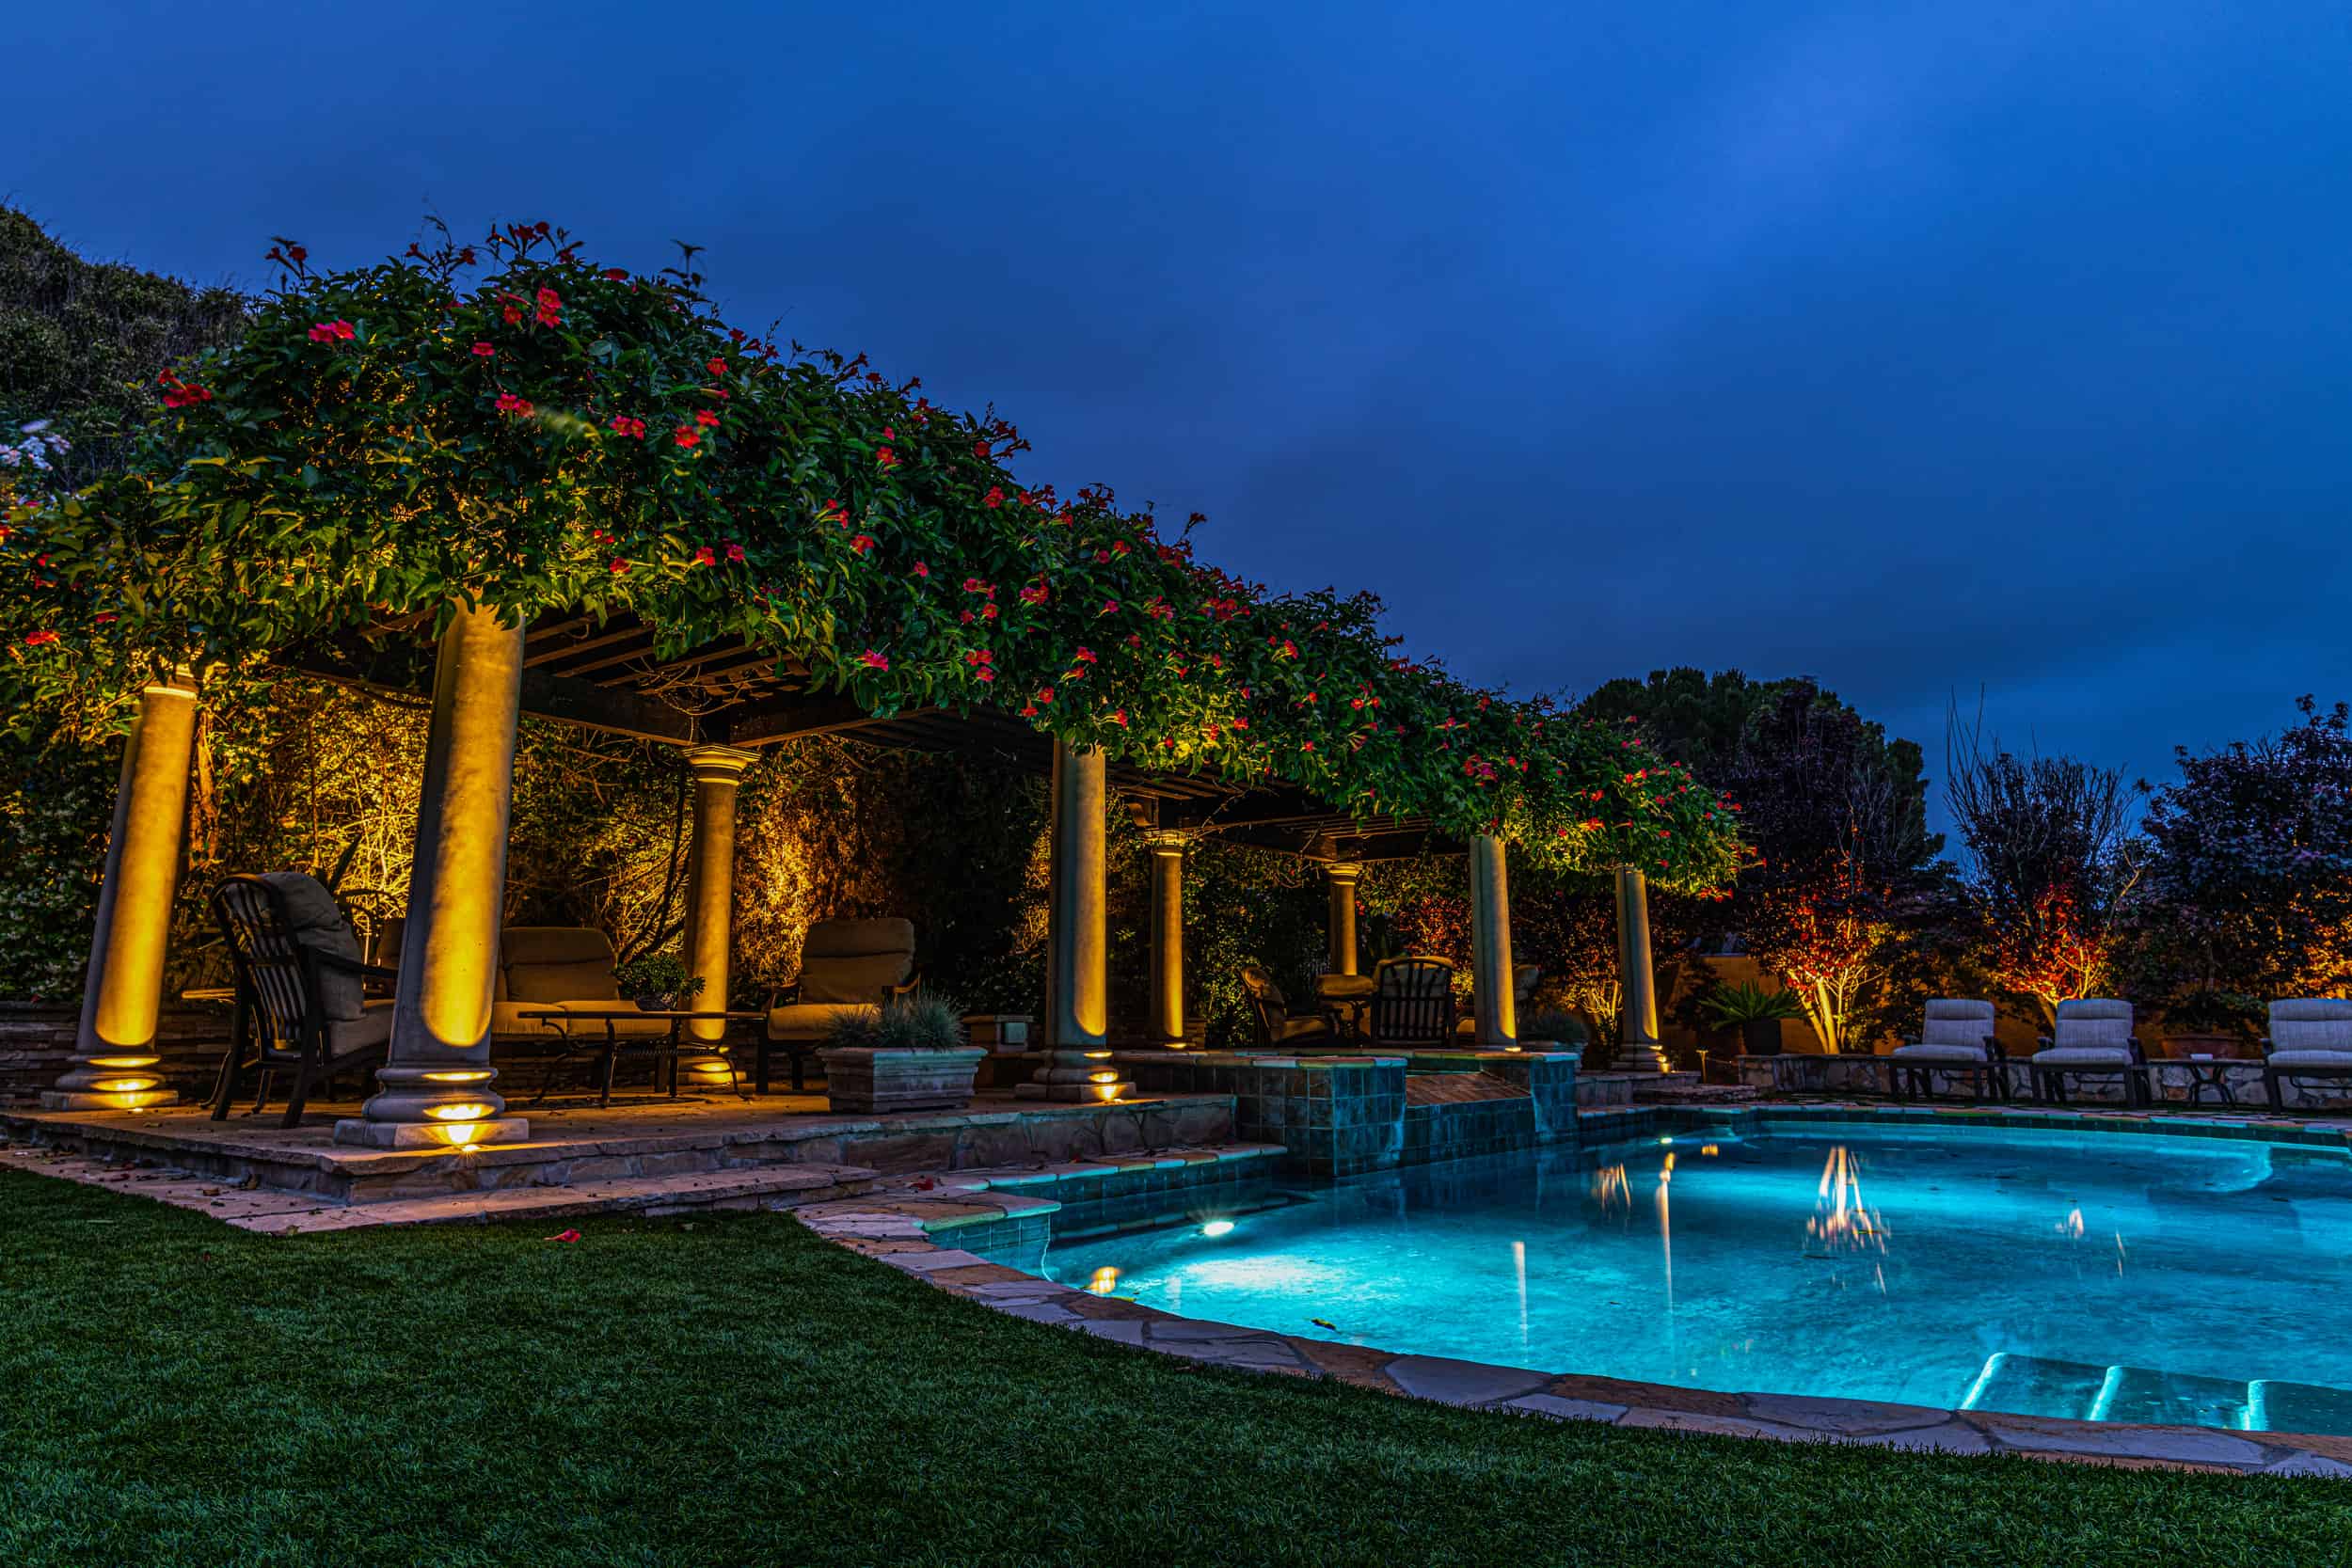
(2108, 1276)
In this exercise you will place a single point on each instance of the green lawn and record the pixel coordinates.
(736, 1391)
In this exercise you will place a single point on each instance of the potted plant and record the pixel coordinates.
(907, 1055)
(1755, 1012)
(2210, 1022)
(658, 982)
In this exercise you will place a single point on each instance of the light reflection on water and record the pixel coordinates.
(1895, 1264)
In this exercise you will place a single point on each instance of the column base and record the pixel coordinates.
(1075, 1094)
(1642, 1057)
(119, 1099)
(431, 1134)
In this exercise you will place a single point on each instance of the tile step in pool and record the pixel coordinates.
(2039, 1386)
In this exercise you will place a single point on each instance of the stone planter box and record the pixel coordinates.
(889, 1081)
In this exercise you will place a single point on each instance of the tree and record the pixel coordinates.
(2248, 890)
(2051, 865)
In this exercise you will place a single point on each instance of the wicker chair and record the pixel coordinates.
(302, 1006)
(1277, 1025)
(2094, 1039)
(2310, 1037)
(1956, 1037)
(1412, 1002)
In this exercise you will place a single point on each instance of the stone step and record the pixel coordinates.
(278, 1212)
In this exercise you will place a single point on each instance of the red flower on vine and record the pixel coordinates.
(884, 456)
(863, 543)
(874, 660)
(40, 639)
(550, 308)
(717, 367)
(519, 407)
(734, 554)
(921, 570)
(330, 332)
(704, 418)
(996, 497)
(686, 435)
(615, 275)
(836, 513)
(634, 429)
(483, 351)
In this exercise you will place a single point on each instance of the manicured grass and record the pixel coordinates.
(736, 1391)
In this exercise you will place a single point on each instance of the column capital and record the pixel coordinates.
(719, 764)
(1168, 841)
(1342, 871)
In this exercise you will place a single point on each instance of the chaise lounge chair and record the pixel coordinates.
(1955, 1036)
(2310, 1037)
(2093, 1037)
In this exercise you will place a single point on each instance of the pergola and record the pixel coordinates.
(717, 704)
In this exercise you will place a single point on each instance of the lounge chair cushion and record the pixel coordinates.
(2092, 1022)
(507, 1020)
(1935, 1050)
(319, 926)
(2311, 1024)
(2084, 1055)
(1299, 1028)
(555, 964)
(1955, 1022)
(855, 960)
(371, 1029)
(799, 1022)
(2339, 1059)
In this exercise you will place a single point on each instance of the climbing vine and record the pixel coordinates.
(507, 424)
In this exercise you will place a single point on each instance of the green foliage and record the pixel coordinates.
(925, 1020)
(384, 442)
(1748, 1002)
(55, 799)
(660, 976)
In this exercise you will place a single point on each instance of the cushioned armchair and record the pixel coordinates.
(2093, 1037)
(543, 967)
(2310, 1037)
(302, 1006)
(847, 966)
(1271, 1009)
(1955, 1036)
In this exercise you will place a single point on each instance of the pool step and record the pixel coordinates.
(2040, 1386)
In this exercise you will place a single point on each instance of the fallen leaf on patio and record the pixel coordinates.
(563, 1236)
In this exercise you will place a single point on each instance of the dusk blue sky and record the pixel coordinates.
(1918, 347)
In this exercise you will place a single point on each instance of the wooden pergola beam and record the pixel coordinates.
(769, 722)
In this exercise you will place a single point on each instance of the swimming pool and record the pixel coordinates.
(2108, 1276)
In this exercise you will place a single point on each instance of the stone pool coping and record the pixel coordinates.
(911, 1224)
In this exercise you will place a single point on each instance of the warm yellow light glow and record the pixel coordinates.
(1108, 1075)
(1098, 1055)
(1707, 1149)
(1106, 1091)
(122, 1086)
(470, 1075)
(1105, 1280)
(463, 1111)
(113, 1063)
(708, 1069)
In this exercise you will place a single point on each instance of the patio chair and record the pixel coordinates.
(1523, 979)
(1412, 1002)
(1955, 1036)
(2093, 1037)
(2310, 1037)
(847, 966)
(301, 1000)
(543, 967)
(1277, 1025)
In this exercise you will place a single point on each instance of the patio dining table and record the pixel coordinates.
(668, 1047)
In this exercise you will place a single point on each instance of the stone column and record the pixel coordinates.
(1167, 934)
(1077, 939)
(710, 901)
(436, 1086)
(114, 1052)
(1638, 1051)
(1341, 928)
(1490, 947)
